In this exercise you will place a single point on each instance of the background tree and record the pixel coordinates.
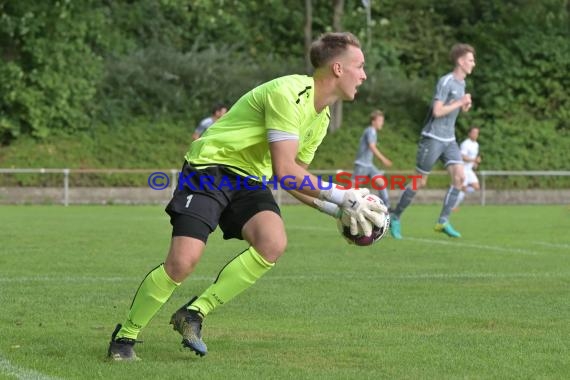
(120, 70)
(308, 33)
(336, 108)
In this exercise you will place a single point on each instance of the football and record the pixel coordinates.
(360, 239)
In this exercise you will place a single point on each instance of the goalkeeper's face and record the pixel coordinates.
(352, 72)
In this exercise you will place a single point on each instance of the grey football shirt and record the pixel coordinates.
(364, 156)
(204, 124)
(448, 90)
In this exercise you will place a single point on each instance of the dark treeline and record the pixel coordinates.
(70, 68)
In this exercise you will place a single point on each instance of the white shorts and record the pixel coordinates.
(470, 177)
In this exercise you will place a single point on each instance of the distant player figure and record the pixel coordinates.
(367, 150)
(217, 111)
(471, 158)
(438, 142)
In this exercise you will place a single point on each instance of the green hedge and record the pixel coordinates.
(162, 145)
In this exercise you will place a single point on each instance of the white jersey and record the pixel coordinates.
(470, 149)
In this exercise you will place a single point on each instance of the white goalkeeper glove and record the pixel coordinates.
(353, 203)
(337, 212)
(375, 208)
(357, 223)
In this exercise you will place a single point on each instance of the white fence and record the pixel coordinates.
(173, 174)
(531, 173)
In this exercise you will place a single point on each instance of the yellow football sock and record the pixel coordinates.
(153, 292)
(238, 275)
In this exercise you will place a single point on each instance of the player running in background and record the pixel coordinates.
(367, 150)
(470, 154)
(217, 111)
(273, 129)
(438, 142)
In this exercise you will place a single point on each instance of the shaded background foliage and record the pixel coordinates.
(97, 83)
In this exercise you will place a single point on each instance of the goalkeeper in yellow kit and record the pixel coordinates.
(274, 129)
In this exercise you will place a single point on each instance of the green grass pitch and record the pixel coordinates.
(493, 305)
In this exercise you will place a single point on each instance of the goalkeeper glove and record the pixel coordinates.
(375, 208)
(358, 209)
(337, 212)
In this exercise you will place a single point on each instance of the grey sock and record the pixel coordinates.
(448, 203)
(460, 198)
(405, 200)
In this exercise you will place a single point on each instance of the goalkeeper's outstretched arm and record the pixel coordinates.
(316, 203)
(292, 171)
(323, 206)
(331, 201)
(306, 199)
(303, 198)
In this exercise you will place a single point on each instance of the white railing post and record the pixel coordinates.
(66, 187)
(173, 181)
(482, 188)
